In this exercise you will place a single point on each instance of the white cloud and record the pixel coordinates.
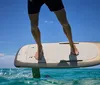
(49, 22)
(5, 42)
(7, 61)
(45, 21)
(1, 55)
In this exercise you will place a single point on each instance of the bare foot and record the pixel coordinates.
(39, 53)
(74, 50)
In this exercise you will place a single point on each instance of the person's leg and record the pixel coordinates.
(61, 16)
(36, 34)
(33, 12)
(58, 8)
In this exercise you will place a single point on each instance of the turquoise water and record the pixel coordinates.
(22, 76)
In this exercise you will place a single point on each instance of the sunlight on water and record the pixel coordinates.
(50, 77)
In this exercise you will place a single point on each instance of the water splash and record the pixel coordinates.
(50, 77)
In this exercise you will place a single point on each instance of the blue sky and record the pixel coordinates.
(83, 16)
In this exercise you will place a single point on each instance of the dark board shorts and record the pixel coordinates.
(35, 5)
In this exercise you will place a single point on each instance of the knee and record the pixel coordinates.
(34, 27)
(65, 24)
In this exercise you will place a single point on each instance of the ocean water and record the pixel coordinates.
(21, 76)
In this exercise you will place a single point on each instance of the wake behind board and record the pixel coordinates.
(58, 55)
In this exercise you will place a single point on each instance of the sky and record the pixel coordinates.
(15, 31)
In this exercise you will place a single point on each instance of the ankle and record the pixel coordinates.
(39, 45)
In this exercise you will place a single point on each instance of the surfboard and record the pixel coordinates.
(57, 55)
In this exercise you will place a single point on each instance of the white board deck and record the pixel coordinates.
(58, 55)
